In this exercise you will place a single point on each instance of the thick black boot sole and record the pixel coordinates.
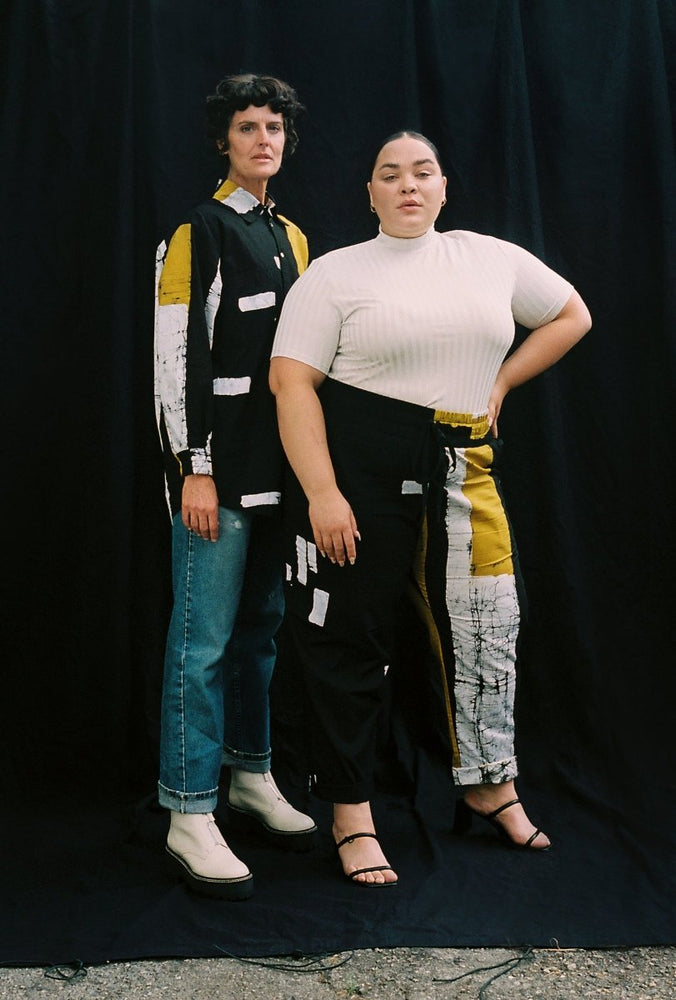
(244, 822)
(232, 889)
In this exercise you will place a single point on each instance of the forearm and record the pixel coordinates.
(546, 345)
(303, 433)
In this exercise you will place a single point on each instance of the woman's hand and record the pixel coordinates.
(542, 348)
(334, 527)
(495, 402)
(303, 434)
(199, 506)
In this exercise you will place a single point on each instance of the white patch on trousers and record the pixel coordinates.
(306, 559)
(320, 603)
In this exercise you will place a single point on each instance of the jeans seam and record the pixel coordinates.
(186, 632)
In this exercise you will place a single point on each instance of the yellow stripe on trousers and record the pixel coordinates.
(491, 550)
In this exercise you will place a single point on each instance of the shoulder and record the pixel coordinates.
(467, 238)
(346, 257)
(336, 267)
(290, 226)
(491, 249)
(210, 216)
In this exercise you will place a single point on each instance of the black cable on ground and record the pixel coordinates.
(313, 963)
(506, 966)
(66, 971)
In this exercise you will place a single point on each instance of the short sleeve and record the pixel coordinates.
(310, 321)
(539, 293)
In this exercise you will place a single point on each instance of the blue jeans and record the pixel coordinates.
(228, 605)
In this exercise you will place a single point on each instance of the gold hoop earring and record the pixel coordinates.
(443, 203)
(373, 208)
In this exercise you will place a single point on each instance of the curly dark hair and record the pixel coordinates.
(236, 93)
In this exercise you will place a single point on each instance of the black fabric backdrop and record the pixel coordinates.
(555, 122)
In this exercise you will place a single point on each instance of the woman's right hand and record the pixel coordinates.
(334, 527)
(199, 506)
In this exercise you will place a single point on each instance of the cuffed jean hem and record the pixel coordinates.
(494, 773)
(255, 763)
(187, 802)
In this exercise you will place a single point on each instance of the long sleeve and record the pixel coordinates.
(188, 292)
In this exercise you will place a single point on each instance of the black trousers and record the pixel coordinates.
(339, 619)
(394, 463)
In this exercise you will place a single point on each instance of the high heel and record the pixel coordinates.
(352, 876)
(464, 815)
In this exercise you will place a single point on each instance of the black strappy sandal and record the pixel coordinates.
(463, 822)
(362, 871)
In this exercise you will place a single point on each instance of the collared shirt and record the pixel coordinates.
(221, 283)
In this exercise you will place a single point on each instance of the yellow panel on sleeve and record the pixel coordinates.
(174, 286)
(298, 244)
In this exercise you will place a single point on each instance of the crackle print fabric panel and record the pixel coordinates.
(467, 593)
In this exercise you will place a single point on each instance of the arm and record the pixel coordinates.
(184, 376)
(540, 350)
(303, 434)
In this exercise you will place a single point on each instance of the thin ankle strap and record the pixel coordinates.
(532, 838)
(354, 836)
(500, 809)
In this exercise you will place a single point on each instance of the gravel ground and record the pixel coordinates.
(379, 974)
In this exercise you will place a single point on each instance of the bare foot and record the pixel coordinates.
(363, 852)
(484, 799)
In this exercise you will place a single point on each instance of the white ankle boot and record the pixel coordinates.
(198, 853)
(254, 800)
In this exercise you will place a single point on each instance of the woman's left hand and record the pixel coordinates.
(542, 348)
(495, 404)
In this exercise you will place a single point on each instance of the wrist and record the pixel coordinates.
(318, 493)
(502, 382)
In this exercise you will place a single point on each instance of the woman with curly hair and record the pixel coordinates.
(221, 285)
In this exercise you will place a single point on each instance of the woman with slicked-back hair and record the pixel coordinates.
(389, 372)
(220, 289)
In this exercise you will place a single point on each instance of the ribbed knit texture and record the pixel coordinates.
(428, 320)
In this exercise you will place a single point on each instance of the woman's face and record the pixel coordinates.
(407, 187)
(255, 146)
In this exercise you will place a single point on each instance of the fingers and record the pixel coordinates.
(199, 508)
(334, 528)
(202, 524)
(493, 414)
(340, 546)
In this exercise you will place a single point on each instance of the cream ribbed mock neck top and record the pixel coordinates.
(428, 320)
